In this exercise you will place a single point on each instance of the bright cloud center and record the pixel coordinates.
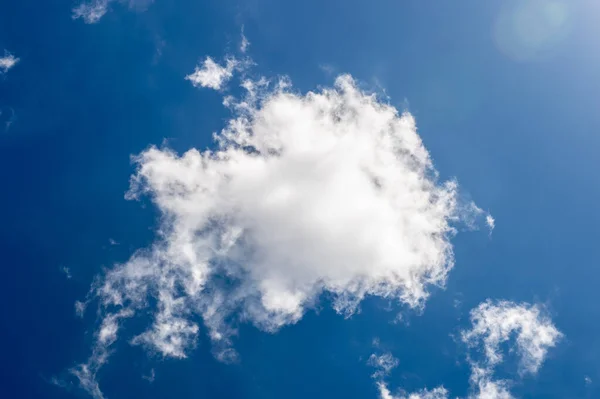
(331, 191)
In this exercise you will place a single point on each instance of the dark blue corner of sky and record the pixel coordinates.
(521, 132)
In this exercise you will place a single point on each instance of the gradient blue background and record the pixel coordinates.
(521, 137)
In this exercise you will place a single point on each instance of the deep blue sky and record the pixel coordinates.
(521, 135)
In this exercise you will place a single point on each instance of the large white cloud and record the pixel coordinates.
(7, 62)
(329, 192)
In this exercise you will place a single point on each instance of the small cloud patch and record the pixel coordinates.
(7, 62)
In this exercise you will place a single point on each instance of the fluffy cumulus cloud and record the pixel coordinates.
(212, 75)
(92, 11)
(7, 62)
(493, 323)
(329, 193)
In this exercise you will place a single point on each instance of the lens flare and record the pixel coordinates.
(532, 29)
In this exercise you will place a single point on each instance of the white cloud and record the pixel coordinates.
(492, 325)
(87, 378)
(150, 377)
(437, 393)
(7, 62)
(324, 192)
(94, 10)
(244, 43)
(331, 191)
(105, 337)
(328, 69)
(80, 308)
(496, 323)
(91, 12)
(213, 75)
(8, 120)
(491, 222)
(67, 272)
(383, 364)
(485, 387)
(170, 335)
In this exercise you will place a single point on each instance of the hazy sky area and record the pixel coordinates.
(271, 199)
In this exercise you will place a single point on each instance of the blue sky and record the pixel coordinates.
(327, 252)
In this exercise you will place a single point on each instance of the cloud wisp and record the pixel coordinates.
(383, 364)
(212, 75)
(104, 338)
(7, 62)
(437, 393)
(92, 11)
(331, 192)
(244, 43)
(493, 324)
(496, 323)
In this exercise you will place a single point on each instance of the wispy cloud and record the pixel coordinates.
(244, 43)
(493, 323)
(7, 62)
(92, 11)
(383, 364)
(104, 338)
(9, 117)
(491, 222)
(497, 322)
(484, 386)
(212, 75)
(436, 393)
(67, 272)
(150, 377)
